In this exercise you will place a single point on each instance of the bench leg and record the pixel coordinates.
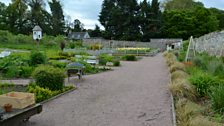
(79, 76)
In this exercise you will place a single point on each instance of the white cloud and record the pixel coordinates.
(214, 3)
(86, 11)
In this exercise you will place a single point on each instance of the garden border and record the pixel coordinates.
(174, 120)
(173, 111)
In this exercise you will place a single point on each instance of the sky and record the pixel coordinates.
(87, 11)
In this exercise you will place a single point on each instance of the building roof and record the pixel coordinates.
(78, 35)
(37, 28)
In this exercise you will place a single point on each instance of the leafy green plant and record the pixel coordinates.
(129, 58)
(58, 64)
(72, 45)
(199, 62)
(217, 98)
(116, 63)
(96, 47)
(104, 58)
(25, 71)
(203, 82)
(66, 54)
(181, 56)
(12, 72)
(14, 66)
(78, 44)
(216, 68)
(37, 58)
(88, 68)
(40, 93)
(49, 77)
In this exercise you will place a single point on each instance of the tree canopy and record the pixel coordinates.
(122, 20)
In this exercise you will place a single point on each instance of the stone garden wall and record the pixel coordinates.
(155, 43)
(212, 43)
(115, 43)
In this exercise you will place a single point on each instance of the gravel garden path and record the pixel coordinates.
(135, 94)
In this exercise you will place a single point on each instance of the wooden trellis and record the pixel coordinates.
(191, 50)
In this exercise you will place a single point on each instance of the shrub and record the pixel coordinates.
(203, 121)
(50, 44)
(200, 62)
(96, 47)
(78, 44)
(88, 68)
(185, 111)
(104, 58)
(37, 58)
(181, 56)
(49, 77)
(25, 71)
(217, 98)
(58, 64)
(170, 58)
(129, 58)
(181, 88)
(72, 45)
(57, 57)
(116, 63)
(203, 82)
(178, 75)
(193, 70)
(177, 66)
(41, 94)
(65, 54)
(14, 66)
(12, 72)
(23, 39)
(216, 67)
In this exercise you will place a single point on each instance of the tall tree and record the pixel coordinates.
(16, 16)
(58, 22)
(3, 24)
(106, 18)
(36, 11)
(181, 4)
(150, 18)
(220, 16)
(39, 16)
(129, 14)
(96, 32)
(77, 26)
(183, 24)
(120, 19)
(156, 19)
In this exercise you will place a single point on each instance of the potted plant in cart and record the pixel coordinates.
(8, 107)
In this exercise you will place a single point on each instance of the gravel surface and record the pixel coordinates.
(135, 94)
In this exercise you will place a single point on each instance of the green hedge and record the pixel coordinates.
(49, 77)
(37, 58)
